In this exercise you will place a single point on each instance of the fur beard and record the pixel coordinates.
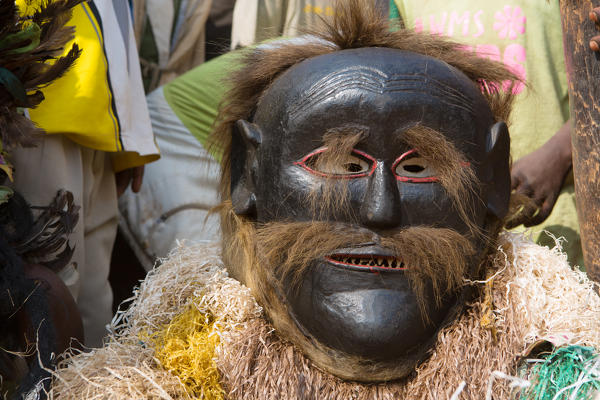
(439, 256)
(255, 363)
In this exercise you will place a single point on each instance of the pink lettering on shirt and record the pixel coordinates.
(435, 27)
(419, 25)
(509, 23)
(455, 19)
(490, 51)
(478, 23)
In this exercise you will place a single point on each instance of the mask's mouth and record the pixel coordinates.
(368, 259)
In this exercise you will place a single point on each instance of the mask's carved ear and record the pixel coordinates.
(496, 170)
(246, 138)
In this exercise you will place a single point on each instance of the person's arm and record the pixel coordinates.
(541, 174)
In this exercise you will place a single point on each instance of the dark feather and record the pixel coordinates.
(16, 129)
(47, 242)
(55, 71)
(26, 297)
(8, 17)
(14, 86)
(60, 260)
(34, 66)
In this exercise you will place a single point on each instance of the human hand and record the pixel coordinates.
(595, 41)
(134, 175)
(540, 176)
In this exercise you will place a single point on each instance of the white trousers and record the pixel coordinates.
(58, 163)
(178, 191)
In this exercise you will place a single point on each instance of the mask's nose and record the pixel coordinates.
(380, 208)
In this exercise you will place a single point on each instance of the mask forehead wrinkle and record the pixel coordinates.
(375, 81)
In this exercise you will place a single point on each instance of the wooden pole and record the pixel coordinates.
(583, 75)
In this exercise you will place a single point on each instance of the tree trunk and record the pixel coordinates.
(583, 75)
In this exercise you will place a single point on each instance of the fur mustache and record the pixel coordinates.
(433, 256)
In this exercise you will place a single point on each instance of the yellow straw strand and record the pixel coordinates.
(186, 348)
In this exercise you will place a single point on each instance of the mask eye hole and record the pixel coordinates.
(413, 168)
(349, 165)
(410, 167)
(354, 165)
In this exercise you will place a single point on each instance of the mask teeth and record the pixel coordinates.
(369, 261)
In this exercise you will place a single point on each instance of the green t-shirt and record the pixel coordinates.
(195, 97)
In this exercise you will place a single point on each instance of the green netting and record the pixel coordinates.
(569, 373)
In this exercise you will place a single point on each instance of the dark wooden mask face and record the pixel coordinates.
(357, 300)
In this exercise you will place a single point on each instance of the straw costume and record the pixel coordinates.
(365, 181)
(192, 331)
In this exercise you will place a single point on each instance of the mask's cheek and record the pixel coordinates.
(294, 193)
(428, 204)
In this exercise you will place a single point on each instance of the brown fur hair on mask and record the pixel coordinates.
(268, 257)
(356, 24)
(454, 173)
(430, 255)
(271, 255)
(335, 159)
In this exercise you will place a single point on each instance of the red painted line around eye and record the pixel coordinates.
(417, 180)
(427, 179)
(406, 178)
(302, 163)
(403, 156)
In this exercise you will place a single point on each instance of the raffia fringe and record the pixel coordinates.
(536, 295)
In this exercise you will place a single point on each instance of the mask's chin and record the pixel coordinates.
(363, 321)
